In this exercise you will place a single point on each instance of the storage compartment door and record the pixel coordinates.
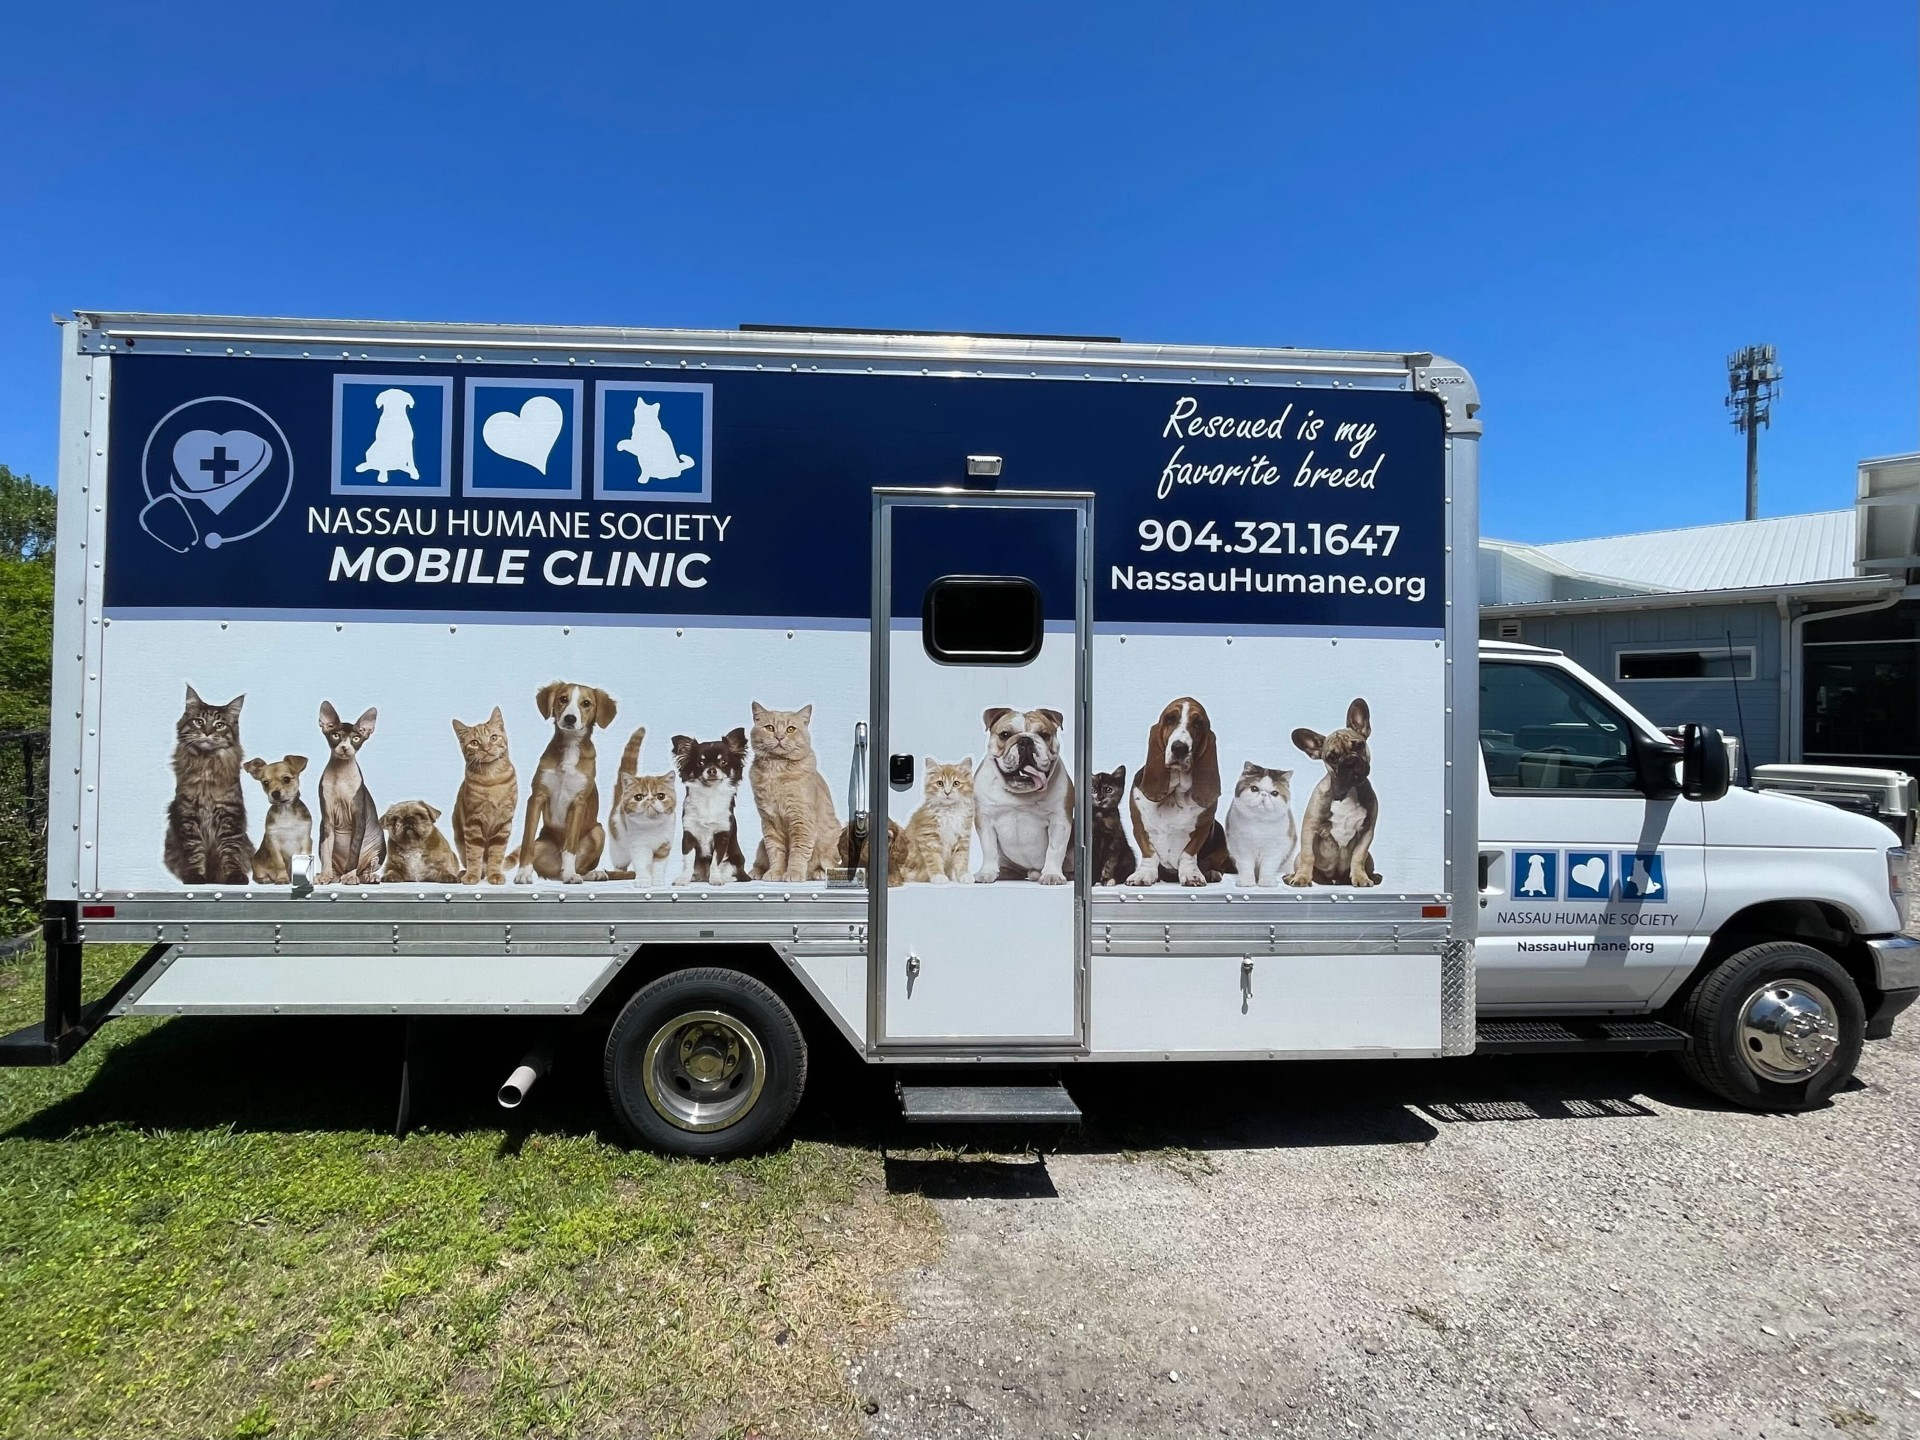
(981, 641)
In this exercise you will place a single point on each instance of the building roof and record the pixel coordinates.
(1740, 555)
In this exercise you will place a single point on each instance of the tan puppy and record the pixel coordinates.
(289, 827)
(563, 836)
(1023, 799)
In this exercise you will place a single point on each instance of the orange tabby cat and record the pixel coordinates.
(940, 834)
(483, 810)
(796, 808)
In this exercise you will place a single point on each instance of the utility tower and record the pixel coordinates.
(1753, 379)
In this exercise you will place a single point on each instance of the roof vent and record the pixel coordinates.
(1509, 629)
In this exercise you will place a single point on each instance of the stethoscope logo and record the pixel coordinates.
(214, 455)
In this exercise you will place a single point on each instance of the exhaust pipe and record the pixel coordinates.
(538, 1061)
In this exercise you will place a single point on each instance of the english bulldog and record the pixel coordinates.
(1023, 799)
(1175, 800)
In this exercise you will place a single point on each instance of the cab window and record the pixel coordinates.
(1542, 731)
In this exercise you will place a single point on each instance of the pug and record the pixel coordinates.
(1023, 799)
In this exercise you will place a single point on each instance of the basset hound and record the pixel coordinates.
(1174, 798)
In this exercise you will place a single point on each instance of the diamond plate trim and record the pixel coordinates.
(1456, 998)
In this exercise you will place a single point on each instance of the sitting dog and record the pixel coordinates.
(563, 837)
(392, 447)
(1336, 834)
(1175, 797)
(1023, 799)
(289, 828)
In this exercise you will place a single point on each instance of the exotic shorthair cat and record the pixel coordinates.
(640, 823)
(796, 807)
(207, 821)
(1260, 830)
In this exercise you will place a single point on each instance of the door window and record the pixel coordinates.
(1542, 731)
(981, 620)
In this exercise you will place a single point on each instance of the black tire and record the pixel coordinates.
(748, 1021)
(1719, 1059)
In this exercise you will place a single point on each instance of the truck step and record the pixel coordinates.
(1558, 1037)
(987, 1104)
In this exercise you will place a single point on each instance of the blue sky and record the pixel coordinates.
(1588, 205)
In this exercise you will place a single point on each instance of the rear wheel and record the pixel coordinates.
(1777, 1026)
(707, 1063)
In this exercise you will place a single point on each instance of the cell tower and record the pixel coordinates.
(1753, 379)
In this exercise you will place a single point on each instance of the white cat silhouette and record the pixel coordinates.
(652, 446)
(1643, 881)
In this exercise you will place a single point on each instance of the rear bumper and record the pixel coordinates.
(1896, 963)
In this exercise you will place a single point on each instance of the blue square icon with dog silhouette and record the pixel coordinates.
(392, 434)
(1536, 874)
(1643, 877)
(523, 439)
(1589, 875)
(653, 442)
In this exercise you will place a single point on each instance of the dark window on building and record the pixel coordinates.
(981, 620)
(1862, 704)
(1705, 664)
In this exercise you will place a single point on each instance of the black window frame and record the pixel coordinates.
(1008, 658)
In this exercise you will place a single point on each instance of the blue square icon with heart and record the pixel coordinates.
(1589, 875)
(523, 439)
(392, 434)
(1536, 874)
(1643, 877)
(653, 442)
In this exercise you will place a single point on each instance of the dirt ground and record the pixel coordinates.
(1535, 1246)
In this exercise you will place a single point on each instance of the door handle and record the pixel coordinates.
(859, 818)
(1488, 858)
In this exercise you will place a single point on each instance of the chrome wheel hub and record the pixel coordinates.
(1788, 1030)
(703, 1070)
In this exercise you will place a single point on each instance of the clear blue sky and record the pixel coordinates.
(1589, 205)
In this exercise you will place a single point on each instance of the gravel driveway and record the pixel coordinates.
(1486, 1247)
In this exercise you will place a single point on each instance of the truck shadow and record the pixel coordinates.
(297, 1074)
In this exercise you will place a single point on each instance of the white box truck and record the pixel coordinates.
(1024, 700)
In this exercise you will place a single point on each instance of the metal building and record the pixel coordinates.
(1799, 634)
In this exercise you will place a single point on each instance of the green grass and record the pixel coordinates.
(205, 1229)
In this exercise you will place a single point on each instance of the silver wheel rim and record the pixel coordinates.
(703, 1070)
(1788, 1030)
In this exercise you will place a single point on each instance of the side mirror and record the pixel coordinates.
(1656, 764)
(1704, 770)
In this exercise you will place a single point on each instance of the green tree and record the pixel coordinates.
(26, 660)
(26, 518)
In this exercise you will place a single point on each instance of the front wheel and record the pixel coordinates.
(708, 1063)
(1776, 1027)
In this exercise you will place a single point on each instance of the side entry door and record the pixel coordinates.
(1591, 889)
(980, 683)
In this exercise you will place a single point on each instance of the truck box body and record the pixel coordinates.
(1190, 561)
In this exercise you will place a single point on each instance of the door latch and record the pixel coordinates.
(1246, 982)
(913, 972)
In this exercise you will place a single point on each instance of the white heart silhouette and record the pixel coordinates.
(528, 437)
(1590, 872)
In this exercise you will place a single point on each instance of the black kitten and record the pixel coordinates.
(1113, 858)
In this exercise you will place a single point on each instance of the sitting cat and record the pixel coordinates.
(796, 807)
(1260, 830)
(1113, 858)
(640, 822)
(940, 833)
(289, 827)
(207, 821)
(897, 854)
(416, 850)
(353, 847)
(709, 834)
(483, 809)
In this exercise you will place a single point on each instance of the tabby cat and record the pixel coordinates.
(796, 808)
(640, 825)
(940, 834)
(207, 822)
(1113, 859)
(484, 807)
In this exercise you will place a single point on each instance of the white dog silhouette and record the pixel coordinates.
(392, 447)
(652, 446)
(1536, 881)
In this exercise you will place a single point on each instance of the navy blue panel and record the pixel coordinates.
(1035, 544)
(745, 493)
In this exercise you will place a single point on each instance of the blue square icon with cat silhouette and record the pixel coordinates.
(653, 442)
(523, 439)
(392, 435)
(1589, 875)
(1536, 874)
(1643, 877)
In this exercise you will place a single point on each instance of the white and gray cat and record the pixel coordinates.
(1260, 831)
(640, 824)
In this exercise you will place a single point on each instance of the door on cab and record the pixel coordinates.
(1592, 865)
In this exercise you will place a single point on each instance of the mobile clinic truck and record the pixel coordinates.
(1034, 701)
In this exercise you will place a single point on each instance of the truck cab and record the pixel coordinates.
(1621, 876)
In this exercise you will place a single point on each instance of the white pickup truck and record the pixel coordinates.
(1628, 895)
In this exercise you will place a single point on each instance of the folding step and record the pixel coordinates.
(1566, 1036)
(987, 1104)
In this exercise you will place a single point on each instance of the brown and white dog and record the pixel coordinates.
(1023, 799)
(563, 835)
(1336, 833)
(1175, 800)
